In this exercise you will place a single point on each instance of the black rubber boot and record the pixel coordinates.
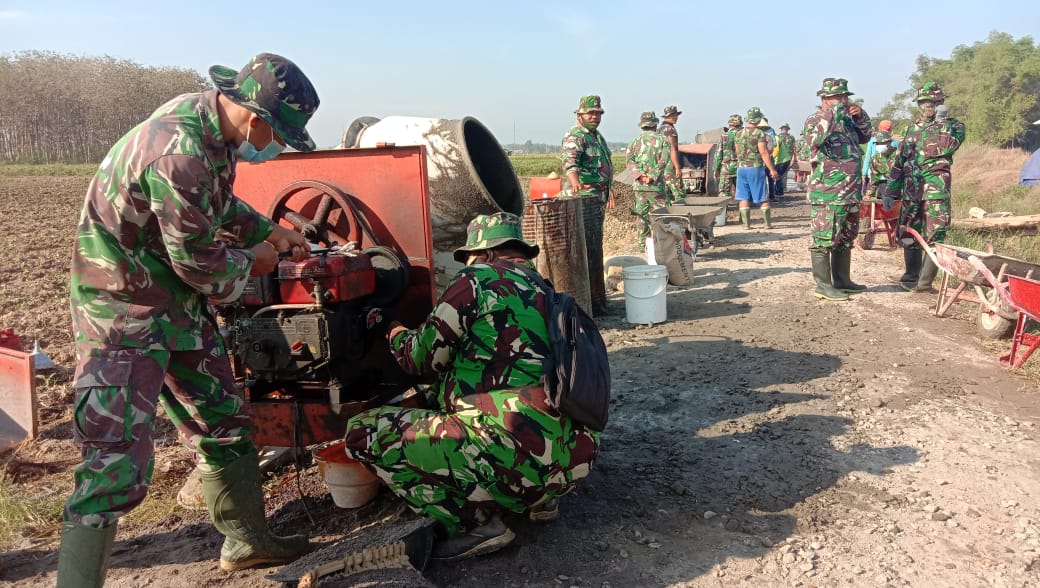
(821, 270)
(745, 217)
(235, 499)
(489, 537)
(766, 215)
(841, 267)
(924, 282)
(912, 261)
(83, 555)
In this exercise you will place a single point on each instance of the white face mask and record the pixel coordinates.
(882, 148)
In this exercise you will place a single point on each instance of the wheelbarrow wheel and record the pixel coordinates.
(991, 325)
(865, 240)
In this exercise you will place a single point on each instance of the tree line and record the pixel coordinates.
(71, 109)
(992, 85)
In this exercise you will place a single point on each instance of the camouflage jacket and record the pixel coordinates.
(726, 160)
(745, 145)
(923, 159)
(668, 130)
(587, 153)
(785, 147)
(487, 332)
(648, 155)
(881, 166)
(149, 252)
(834, 140)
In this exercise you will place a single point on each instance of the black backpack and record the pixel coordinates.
(577, 370)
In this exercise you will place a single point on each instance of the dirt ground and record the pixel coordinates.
(759, 437)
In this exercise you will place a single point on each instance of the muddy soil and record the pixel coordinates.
(759, 437)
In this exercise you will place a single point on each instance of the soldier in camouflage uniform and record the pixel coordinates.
(590, 172)
(150, 254)
(753, 158)
(880, 165)
(648, 157)
(834, 134)
(673, 173)
(489, 441)
(920, 178)
(785, 151)
(726, 159)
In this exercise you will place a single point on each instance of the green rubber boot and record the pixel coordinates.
(235, 499)
(924, 283)
(767, 214)
(821, 271)
(745, 217)
(912, 261)
(841, 267)
(83, 555)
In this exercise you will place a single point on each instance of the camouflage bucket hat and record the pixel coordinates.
(754, 115)
(277, 91)
(671, 111)
(931, 91)
(647, 119)
(735, 121)
(882, 137)
(588, 104)
(785, 126)
(487, 231)
(834, 87)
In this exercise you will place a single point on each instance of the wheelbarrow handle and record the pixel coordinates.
(928, 249)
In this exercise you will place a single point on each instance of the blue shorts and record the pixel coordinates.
(751, 184)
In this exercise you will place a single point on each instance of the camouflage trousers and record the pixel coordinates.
(645, 202)
(594, 211)
(673, 188)
(930, 218)
(116, 397)
(727, 185)
(834, 225)
(504, 449)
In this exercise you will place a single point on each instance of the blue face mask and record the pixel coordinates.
(248, 152)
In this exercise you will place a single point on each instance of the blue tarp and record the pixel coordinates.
(1030, 175)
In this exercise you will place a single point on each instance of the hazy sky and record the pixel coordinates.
(520, 67)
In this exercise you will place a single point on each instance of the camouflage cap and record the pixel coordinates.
(277, 91)
(487, 231)
(785, 126)
(671, 111)
(834, 87)
(754, 115)
(882, 137)
(735, 121)
(648, 119)
(931, 91)
(589, 104)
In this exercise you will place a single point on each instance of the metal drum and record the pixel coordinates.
(557, 227)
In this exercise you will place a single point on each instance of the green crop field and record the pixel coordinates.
(543, 164)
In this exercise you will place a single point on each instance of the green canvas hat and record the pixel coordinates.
(754, 115)
(671, 111)
(834, 87)
(277, 91)
(648, 119)
(931, 91)
(488, 231)
(588, 104)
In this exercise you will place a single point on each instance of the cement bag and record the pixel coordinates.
(672, 249)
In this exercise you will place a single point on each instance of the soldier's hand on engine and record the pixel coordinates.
(265, 259)
(290, 241)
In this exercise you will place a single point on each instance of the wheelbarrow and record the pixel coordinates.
(699, 219)
(874, 219)
(995, 317)
(1023, 295)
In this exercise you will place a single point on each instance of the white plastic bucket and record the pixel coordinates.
(646, 290)
(350, 483)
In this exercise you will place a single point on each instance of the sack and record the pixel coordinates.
(674, 250)
(577, 370)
